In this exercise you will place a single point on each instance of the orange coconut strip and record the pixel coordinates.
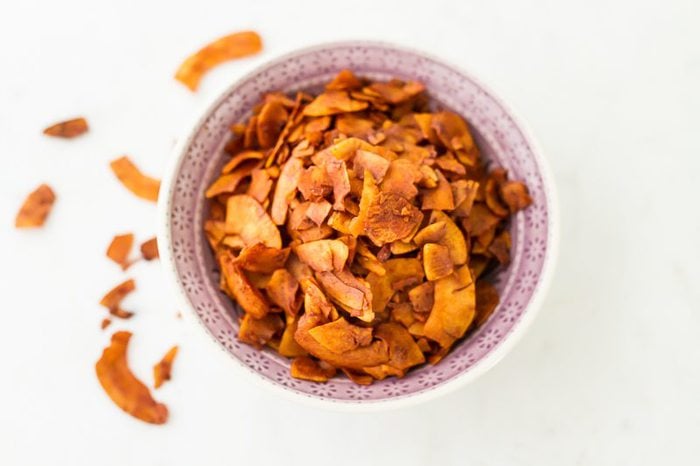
(68, 129)
(141, 185)
(122, 386)
(162, 370)
(232, 46)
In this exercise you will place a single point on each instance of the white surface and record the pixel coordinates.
(608, 374)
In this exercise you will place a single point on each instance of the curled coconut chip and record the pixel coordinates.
(139, 184)
(122, 386)
(230, 47)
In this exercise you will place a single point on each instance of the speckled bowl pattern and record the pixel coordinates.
(503, 141)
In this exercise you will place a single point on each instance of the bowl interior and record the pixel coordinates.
(500, 139)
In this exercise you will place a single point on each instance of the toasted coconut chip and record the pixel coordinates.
(376, 100)
(515, 195)
(317, 308)
(492, 197)
(68, 129)
(396, 92)
(332, 102)
(286, 189)
(340, 336)
(482, 242)
(351, 242)
(36, 208)
(399, 248)
(288, 345)
(424, 122)
(438, 355)
(396, 270)
(338, 175)
(250, 137)
(279, 97)
(422, 297)
(230, 47)
(432, 233)
(125, 390)
(401, 178)
(417, 329)
(430, 177)
(464, 193)
(454, 308)
(391, 218)
(323, 255)
(500, 247)
(282, 288)
(354, 125)
(105, 323)
(318, 211)
(249, 297)
(436, 261)
(486, 301)
(262, 259)
(298, 269)
(358, 378)
(227, 184)
(315, 125)
(343, 149)
(383, 371)
(259, 280)
(297, 219)
(112, 300)
(315, 233)
(260, 185)
(403, 314)
(217, 211)
(369, 195)
(340, 221)
(139, 184)
(480, 220)
(454, 238)
(314, 183)
(376, 164)
(271, 120)
(233, 242)
(246, 217)
(368, 260)
(162, 370)
(258, 332)
(348, 291)
(149, 249)
(245, 157)
(453, 133)
(344, 81)
(403, 350)
(439, 198)
(449, 164)
(305, 368)
(119, 249)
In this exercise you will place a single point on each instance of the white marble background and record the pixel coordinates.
(609, 373)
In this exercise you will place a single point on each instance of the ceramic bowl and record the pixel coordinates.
(503, 140)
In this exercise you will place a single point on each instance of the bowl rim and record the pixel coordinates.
(460, 380)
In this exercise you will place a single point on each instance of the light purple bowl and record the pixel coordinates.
(502, 139)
